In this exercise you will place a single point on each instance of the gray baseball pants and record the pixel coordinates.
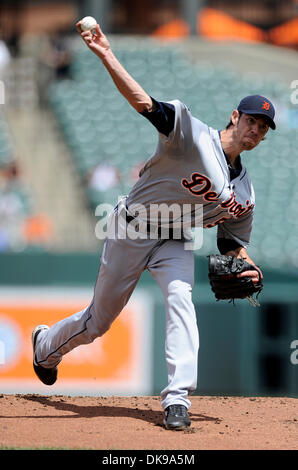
(122, 263)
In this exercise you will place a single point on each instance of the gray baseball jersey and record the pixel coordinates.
(189, 167)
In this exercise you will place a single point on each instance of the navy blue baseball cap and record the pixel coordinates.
(257, 104)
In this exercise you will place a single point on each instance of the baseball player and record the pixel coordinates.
(193, 165)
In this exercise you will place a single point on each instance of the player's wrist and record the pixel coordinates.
(107, 56)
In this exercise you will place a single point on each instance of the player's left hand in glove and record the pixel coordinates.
(234, 278)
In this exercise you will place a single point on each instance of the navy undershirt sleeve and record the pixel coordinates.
(162, 117)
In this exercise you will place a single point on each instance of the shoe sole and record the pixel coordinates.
(183, 427)
(45, 380)
(34, 336)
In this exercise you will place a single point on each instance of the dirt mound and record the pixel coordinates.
(218, 423)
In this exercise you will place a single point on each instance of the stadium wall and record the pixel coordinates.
(243, 350)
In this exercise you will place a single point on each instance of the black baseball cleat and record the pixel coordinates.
(46, 376)
(176, 418)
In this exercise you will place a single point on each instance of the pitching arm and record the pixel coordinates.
(128, 87)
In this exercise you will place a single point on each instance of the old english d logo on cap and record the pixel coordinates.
(257, 104)
(266, 105)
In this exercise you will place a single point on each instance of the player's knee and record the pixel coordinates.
(99, 329)
(98, 324)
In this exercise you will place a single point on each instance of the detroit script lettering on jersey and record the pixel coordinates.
(200, 185)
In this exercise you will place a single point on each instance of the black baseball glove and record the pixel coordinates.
(226, 285)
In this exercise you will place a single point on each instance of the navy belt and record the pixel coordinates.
(170, 232)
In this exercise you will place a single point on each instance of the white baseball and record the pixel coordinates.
(88, 23)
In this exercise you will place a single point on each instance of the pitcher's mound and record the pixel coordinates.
(218, 423)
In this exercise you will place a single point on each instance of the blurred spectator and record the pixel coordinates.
(20, 226)
(14, 207)
(54, 59)
(103, 177)
(14, 43)
(56, 55)
(38, 231)
(5, 56)
(59, 55)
